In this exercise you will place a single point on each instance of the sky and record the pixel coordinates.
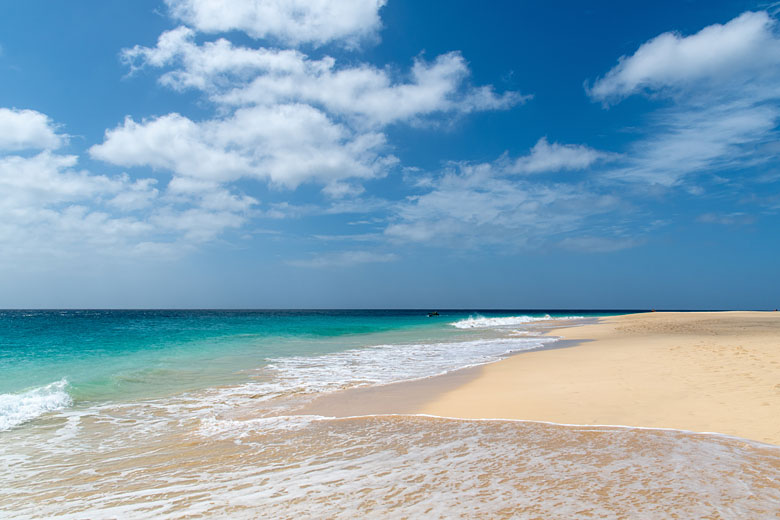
(389, 154)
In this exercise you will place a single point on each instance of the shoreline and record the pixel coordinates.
(574, 426)
(406, 398)
(705, 372)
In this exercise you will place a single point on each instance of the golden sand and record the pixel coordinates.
(702, 371)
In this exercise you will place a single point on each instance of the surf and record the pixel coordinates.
(19, 408)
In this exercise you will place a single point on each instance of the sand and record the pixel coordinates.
(702, 371)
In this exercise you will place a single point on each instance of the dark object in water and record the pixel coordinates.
(432, 314)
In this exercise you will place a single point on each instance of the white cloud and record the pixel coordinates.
(47, 208)
(345, 259)
(292, 22)
(551, 157)
(746, 46)
(171, 142)
(724, 82)
(283, 117)
(196, 225)
(136, 195)
(284, 144)
(50, 208)
(240, 76)
(338, 190)
(370, 96)
(50, 178)
(28, 129)
(212, 65)
(484, 204)
(723, 113)
(687, 140)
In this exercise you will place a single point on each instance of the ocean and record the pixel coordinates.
(179, 413)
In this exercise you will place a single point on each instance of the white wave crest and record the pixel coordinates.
(375, 365)
(480, 322)
(16, 409)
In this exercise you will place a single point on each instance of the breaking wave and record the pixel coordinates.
(16, 409)
(480, 322)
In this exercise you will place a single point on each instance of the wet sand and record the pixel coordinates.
(703, 371)
(387, 467)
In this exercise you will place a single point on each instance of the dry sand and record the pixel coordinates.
(703, 371)
(699, 371)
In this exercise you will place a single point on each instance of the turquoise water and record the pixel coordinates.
(88, 356)
(107, 354)
(172, 414)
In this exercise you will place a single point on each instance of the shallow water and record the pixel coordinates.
(404, 467)
(54, 360)
(225, 442)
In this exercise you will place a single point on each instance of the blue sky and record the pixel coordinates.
(362, 153)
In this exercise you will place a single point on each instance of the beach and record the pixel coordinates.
(390, 414)
(713, 372)
(699, 371)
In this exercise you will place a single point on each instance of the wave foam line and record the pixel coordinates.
(16, 409)
(480, 322)
(298, 376)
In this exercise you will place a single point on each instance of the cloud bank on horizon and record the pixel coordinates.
(295, 105)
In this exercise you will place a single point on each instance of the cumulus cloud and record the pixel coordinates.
(744, 47)
(291, 22)
(281, 116)
(51, 178)
(371, 96)
(722, 117)
(51, 207)
(241, 76)
(46, 207)
(284, 117)
(284, 144)
(210, 66)
(136, 195)
(551, 157)
(28, 129)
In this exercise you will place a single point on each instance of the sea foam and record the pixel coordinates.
(382, 364)
(303, 377)
(480, 322)
(18, 408)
